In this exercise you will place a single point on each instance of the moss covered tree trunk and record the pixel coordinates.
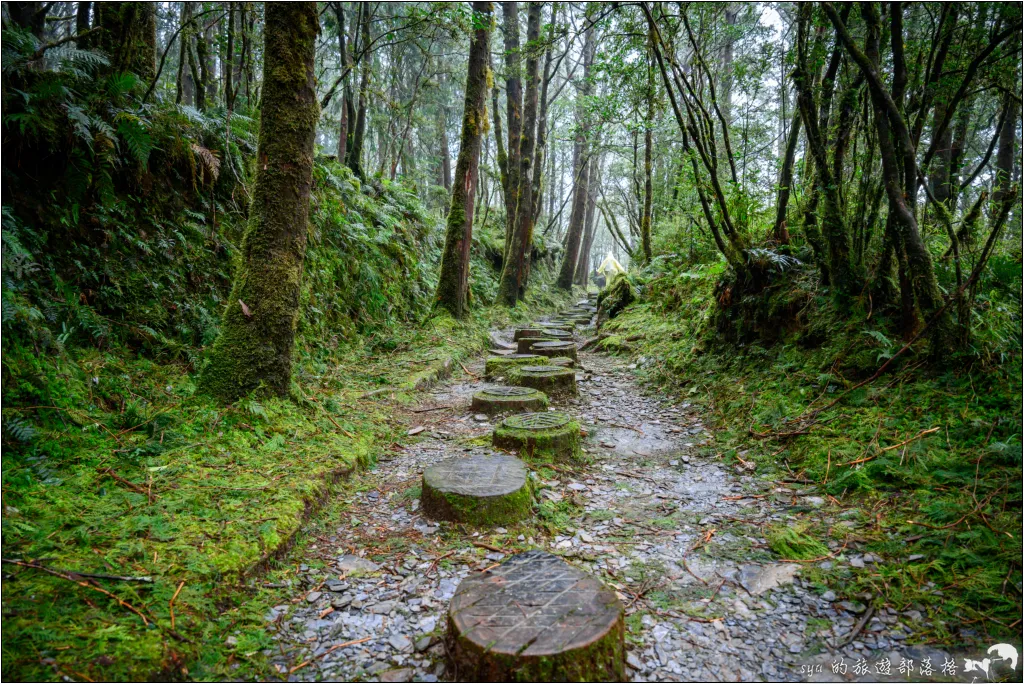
(580, 173)
(254, 349)
(129, 36)
(514, 103)
(515, 272)
(453, 284)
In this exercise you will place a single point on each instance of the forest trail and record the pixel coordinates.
(677, 533)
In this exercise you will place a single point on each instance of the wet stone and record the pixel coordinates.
(536, 618)
(499, 400)
(479, 489)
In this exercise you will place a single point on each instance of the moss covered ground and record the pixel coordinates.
(114, 465)
(921, 466)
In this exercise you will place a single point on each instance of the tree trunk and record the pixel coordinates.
(339, 11)
(453, 284)
(206, 64)
(229, 60)
(82, 24)
(185, 88)
(358, 135)
(580, 174)
(253, 352)
(646, 217)
(781, 232)
(128, 36)
(514, 119)
(542, 119)
(29, 15)
(446, 154)
(1006, 151)
(590, 223)
(516, 270)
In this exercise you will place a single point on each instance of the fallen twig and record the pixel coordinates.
(170, 604)
(90, 575)
(856, 629)
(330, 650)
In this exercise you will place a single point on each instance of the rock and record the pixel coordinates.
(915, 557)
(634, 662)
(231, 641)
(382, 608)
(416, 430)
(404, 674)
(759, 579)
(853, 607)
(829, 596)
(857, 562)
(400, 642)
(313, 596)
(423, 643)
(480, 417)
(352, 564)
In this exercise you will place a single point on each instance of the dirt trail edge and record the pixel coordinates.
(678, 533)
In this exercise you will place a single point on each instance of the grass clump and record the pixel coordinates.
(792, 543)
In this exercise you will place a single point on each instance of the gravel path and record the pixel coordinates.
(655, 515)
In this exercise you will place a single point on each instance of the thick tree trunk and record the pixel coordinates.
(453, 284)
(581, 175)
(128, 36)
(254, 349)
(514, 119)
(29, 15)
(516, 270)
(542, 119)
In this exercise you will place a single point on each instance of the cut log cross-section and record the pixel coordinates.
(535, 618)
(480, 490)
(501, 400)
(551, 436)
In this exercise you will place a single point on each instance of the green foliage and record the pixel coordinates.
(960, 486)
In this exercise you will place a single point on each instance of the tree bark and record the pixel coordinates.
(253, 352)
(339, 12)
(128, 36)
(590, 223)
(514, 117)
(1007, 149)
(82, 24)
(580, 173)
(453, 284)
(358, 135)
(516, 269)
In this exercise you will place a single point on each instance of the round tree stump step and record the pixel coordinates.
(497, 366)
(533, 331)
(523, 343)
(555, 348)
(535, 618)
(556, 334)
(550, 436)
(509, 400)
(482, 490)
(555, 381)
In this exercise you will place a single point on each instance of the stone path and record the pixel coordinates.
(677, 533)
